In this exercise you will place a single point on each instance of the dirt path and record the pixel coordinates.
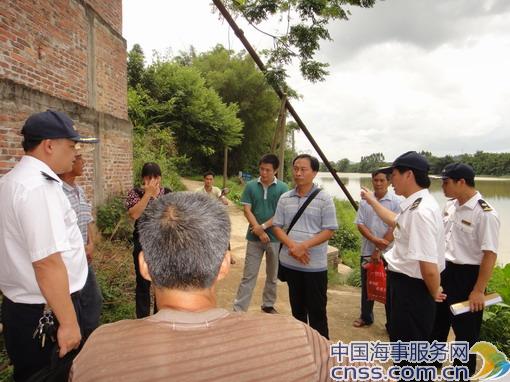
(343, 301)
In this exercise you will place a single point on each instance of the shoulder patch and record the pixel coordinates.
(48, 177)
(484, 205)
(415, 204)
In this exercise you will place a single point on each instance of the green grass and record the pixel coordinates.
(348, 241)
(496, 318)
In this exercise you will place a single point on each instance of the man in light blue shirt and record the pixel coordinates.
(303, 257)
(376, 237)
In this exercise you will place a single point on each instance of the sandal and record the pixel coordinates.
(359, 323)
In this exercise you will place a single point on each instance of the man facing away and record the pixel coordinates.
(417, 256)
(91, 299)
(259, 199)
(41, 248)
(472, 233)
(185, 239)
(304, 253)
(376, 237)
(209, 189)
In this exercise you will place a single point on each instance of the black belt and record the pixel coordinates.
(464, 266)
(74, 296)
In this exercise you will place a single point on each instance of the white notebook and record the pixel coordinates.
(463, 307)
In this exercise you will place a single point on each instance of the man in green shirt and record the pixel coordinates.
(259, 199)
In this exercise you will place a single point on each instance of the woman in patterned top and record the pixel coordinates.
(136, 202)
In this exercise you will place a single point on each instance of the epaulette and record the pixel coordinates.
(48, 177)
(484, 205)
(415, 204)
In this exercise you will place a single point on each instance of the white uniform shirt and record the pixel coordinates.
(36, 220)
(469, 231)
(419, 236)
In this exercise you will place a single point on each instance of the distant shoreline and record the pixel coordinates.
(367, 175)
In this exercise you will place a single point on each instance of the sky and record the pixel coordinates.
(404, 75)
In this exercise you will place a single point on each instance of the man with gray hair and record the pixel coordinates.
(185, 238)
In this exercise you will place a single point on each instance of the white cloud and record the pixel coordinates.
(404, 75)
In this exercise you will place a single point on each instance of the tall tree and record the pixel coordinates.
(306, 26)
(238, 81)
(135, 65)
(174, 97)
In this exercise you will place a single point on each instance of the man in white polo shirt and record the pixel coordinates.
(472, 233)
(41, 248)
(417, 257)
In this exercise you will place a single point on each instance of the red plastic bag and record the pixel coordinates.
(376, 282)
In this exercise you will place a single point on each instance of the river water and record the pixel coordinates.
(496, 192)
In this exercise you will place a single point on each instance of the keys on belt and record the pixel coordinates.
(46, 329)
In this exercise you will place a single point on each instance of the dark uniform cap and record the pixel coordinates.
(410, 159)
(52, 124)
(458, 171)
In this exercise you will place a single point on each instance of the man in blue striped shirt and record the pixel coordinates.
(303, 257)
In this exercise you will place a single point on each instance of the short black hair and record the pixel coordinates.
(207, 173)
(314, 162)
(469, 181)
(270, 159)
(151, 169)
(421, 177)
(30, 144)
(380, 171)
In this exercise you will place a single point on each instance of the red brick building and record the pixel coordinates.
(68, 55)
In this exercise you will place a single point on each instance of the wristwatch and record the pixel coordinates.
(263, 226)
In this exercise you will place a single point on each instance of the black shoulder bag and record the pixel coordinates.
(281, 273)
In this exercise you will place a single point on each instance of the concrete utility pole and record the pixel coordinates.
(240, 34)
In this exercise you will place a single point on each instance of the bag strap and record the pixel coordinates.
(300, 212)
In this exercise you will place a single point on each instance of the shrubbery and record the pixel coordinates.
(348, 240)
(496, 319)
(112, 220)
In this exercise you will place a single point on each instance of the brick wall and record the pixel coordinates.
(108, 169)
(68, 49)
(109, 79)
(110, 11)
(68, 55)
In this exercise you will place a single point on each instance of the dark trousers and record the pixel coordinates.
(367, 306)
(387, 306)
(25, 352)
(458, 282)
(412, 311)
(412, 308)
(142, 290)
(91, 302)
(308, 297)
